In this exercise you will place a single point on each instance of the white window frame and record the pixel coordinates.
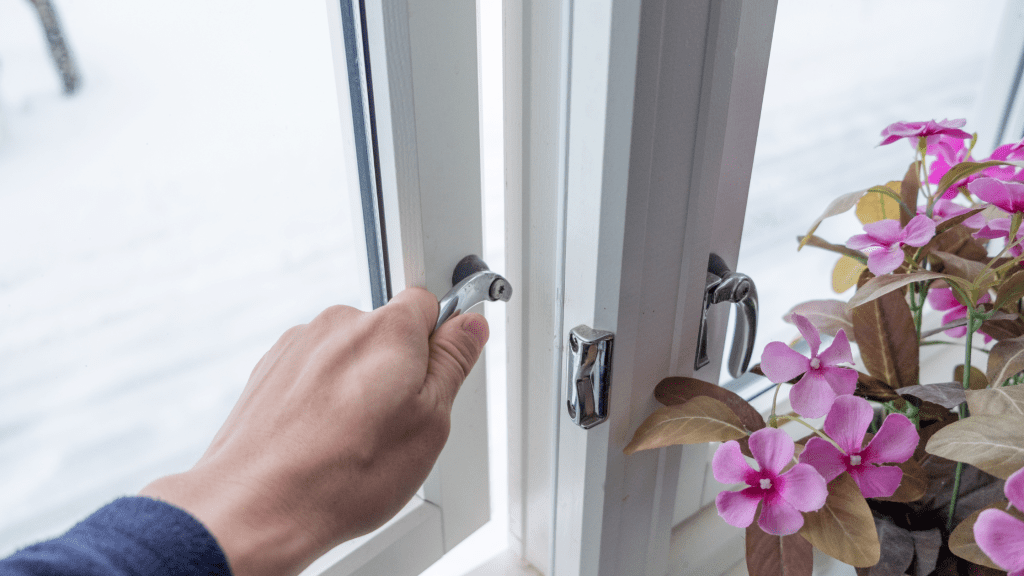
(677, 134)
(423, 62)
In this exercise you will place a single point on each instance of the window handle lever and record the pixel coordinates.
(724, 285)
(472, 283)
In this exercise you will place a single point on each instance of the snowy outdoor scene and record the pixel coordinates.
(161, 227)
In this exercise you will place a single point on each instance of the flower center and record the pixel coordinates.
(766, 483)
(855, 460)
(815, 363)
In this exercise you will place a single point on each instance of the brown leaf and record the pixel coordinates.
(1005, 360)
(898, 552)
(872, 388)
(909, 188)
(676, 390)
(978, 379)
(845, 273)
(945, 394)
(977, 273)
(949, 223)
(913, 485)
(994, 444)
(700, 420)
(932, 412)
(957, 240)
(885, 333)
(1009, 293)
(961, 540)
(843, 528)
(828, 316)
(1003, 329)
(836, 207)
(876, 205)
(882, 285)
(769, 555)
(926, 547)
(1005, 400)
(819, 242)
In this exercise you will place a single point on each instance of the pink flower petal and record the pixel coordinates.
(1001, 537)
(728, 464)
(738, 508)
(993, 191)
(1014, 489)
(848, 421)
(842, 380)
(877, 481)
(943, 299)
(803, 487)
(779, 517)
(885, 232)
(885, 261)
(918, 232)
(772, 448)
(780, 363)
(838, 351)
(812, 396)
(895, 441)
(824, 457)
(861, 241)
(809, 332)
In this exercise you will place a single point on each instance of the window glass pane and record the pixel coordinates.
(839, 73)
(159, 230)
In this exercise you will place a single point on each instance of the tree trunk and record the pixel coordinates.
(59, 50)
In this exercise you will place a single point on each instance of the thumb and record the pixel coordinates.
(454, 350)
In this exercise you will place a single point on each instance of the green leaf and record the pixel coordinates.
(843, 527)
(1005, 400)
(882, 285)
(961, 171)
(698, 421)
(884, 328)
(676, 390)
(836, 207)
(1005, 360)
(769, 555)
(993, 444)
(962, 542)
(819, 242)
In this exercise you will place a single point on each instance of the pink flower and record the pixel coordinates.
(1006, 152)
(945, 299)
(929, 130)
(801, 489)
(823, 376)
(1000, 535)
(948, 151)
(944, 209)
(884, 242)
(847, 423)
(1006, 195)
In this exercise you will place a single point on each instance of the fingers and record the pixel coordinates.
(419, 303)
(454, 350)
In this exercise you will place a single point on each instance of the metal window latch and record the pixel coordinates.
(590, 375)
(472, 283)
(724, 285)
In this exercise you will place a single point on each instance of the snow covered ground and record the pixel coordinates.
(160, 229)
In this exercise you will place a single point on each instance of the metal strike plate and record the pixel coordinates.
(590, 375)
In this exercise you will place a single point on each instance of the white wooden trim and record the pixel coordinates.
(423, 61)
(688, 141)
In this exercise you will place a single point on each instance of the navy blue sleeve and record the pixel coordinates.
(133, 536)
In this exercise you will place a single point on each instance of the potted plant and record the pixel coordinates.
(933, 469)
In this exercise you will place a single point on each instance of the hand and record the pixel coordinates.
(338, 426)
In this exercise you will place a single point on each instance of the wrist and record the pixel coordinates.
(256, 536)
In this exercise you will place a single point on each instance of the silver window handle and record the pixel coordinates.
(472, 283)
(724, 285)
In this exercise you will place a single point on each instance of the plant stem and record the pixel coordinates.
(972, 321)
(775, 398)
